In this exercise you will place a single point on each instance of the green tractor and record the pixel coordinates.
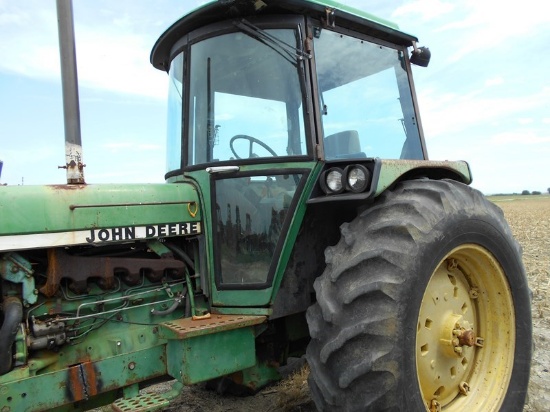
(300, 215)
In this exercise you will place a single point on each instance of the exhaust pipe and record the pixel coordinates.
(69, 80)
(13, 316)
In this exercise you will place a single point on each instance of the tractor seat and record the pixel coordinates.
(343, 145)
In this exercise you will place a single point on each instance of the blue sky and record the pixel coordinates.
(485, 97)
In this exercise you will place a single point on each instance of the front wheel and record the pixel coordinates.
(423, 305)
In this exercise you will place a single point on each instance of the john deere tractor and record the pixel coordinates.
(300, 215)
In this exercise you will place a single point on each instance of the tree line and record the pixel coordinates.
(534, 192)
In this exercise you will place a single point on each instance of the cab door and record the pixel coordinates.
(247, 142)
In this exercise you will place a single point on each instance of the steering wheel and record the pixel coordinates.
(251, 140)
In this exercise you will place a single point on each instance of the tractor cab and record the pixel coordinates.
(264, 99)
(272, 88)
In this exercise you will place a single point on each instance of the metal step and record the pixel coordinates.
(188, 328)
(145, 402)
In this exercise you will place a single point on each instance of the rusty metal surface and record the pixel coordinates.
(467, 338)
(79, 269)
(67, 187)
(188, 328)
(99, 205)
(82, 382)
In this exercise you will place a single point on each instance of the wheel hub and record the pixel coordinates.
(454, 319)
(447, 331)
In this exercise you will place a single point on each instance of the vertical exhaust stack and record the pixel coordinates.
(69, 79)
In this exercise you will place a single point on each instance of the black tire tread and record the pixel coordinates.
(361, 292)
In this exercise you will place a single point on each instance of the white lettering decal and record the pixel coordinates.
(97, 236)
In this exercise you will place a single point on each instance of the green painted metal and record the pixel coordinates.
(259, 298)
(242, 311)
(193, 349)
(294, 229)
(258, 376)
(201, 358)
(97, 402)
(77, 383)
(16, 269)
(146, 402)
(133, 329)
(47, 209)
(392, 170)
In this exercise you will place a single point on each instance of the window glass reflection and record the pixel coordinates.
(250, 213)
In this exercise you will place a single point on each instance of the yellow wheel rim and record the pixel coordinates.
(465, 337)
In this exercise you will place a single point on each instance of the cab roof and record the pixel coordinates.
(218, 10)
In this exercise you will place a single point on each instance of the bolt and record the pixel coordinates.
(467, 338)
(435, 406)
(474, 293)
(464, 388)
(452, 264)
(14, 269)
(458, 350)
(132, 366)
(6, 409)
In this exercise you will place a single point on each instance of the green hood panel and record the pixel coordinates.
(133, 210)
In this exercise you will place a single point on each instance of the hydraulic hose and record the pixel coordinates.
(13, 316)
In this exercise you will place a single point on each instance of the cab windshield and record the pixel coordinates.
(365, 98)
(245, 98)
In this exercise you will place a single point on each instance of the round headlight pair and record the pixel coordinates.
(354, 178)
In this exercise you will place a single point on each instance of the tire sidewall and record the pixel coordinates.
(454, 230)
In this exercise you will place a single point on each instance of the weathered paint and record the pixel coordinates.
(212, 355)
(40, 216)
(392, 170)
(189, 328)
(81, 382)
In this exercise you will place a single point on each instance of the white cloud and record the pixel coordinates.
(112, 52)
(121, 65)
(458, 111)
(520, 136)
(494, 81)
(426, 9)
(491, 23)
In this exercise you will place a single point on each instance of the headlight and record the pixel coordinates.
(358, 178)
(331, 181)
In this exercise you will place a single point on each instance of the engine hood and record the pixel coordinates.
(64, 215)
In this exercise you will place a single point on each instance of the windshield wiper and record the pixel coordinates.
(288, 51)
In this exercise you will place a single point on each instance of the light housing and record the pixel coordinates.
(332, 181)
(357, 178)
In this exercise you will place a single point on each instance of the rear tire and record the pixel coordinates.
(424, 299)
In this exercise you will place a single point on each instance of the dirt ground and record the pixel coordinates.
(529, 218)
